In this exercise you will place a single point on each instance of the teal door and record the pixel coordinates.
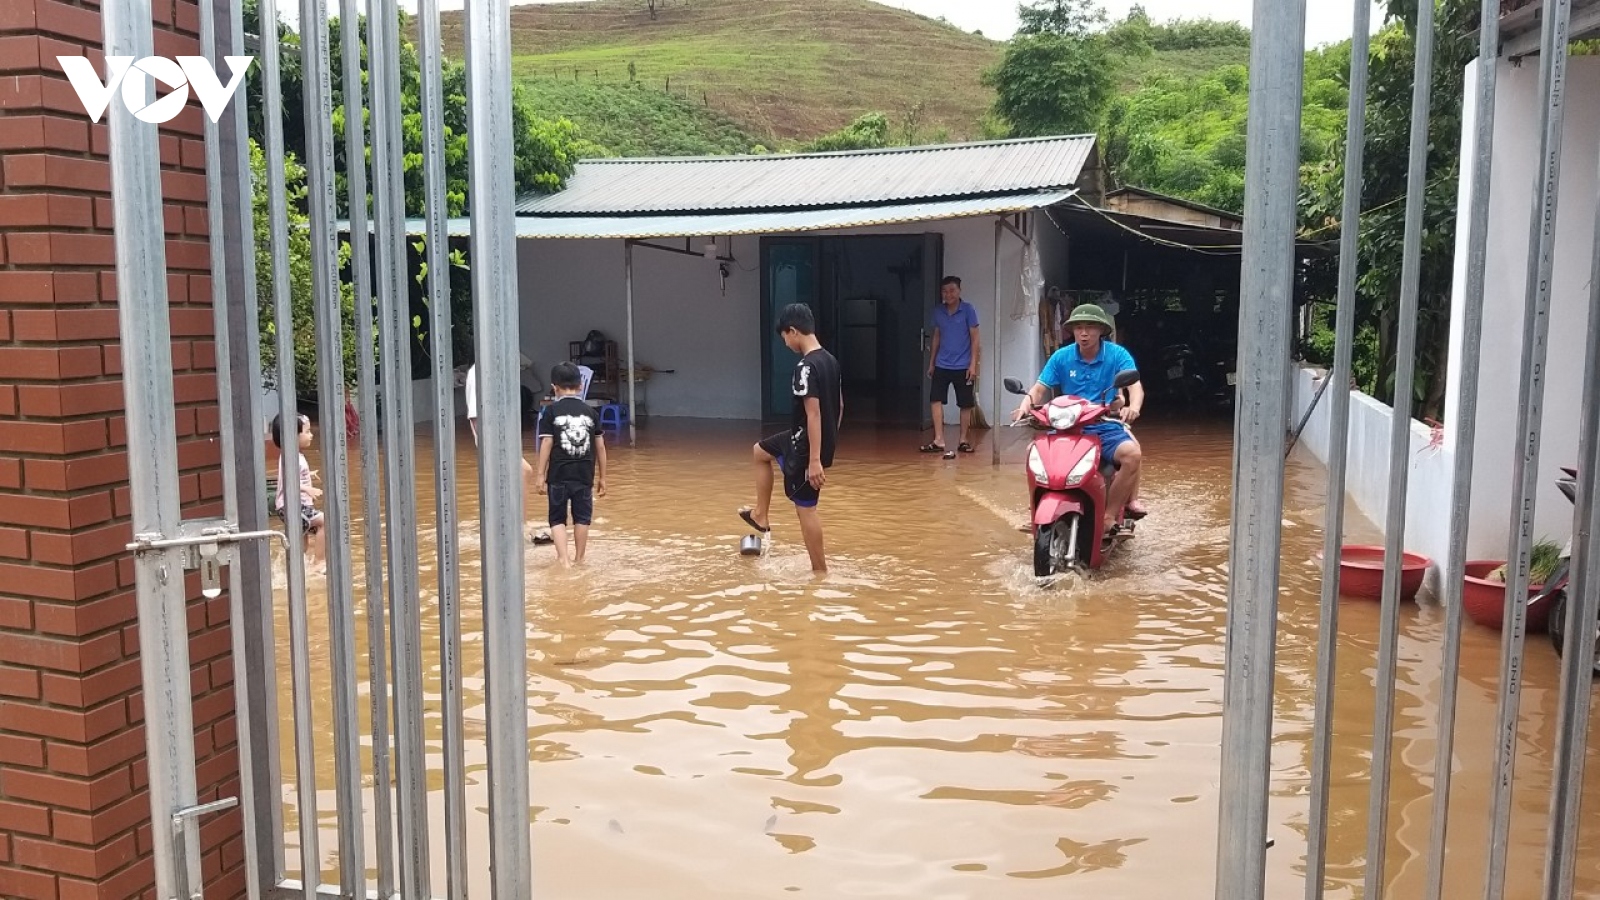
(791, 274)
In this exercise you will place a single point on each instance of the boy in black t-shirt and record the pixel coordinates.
(572, 462)
(805, 451)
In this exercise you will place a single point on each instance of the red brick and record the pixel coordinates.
(82, 619)
(16, 750)
(79, 473)
(117, 680)
(8, 401)
(40, 512)
(5, 322)
(190, 255)
(56, 170)
(19, 53)
(66, 792)
(81, 861)
(18, 682)
(14, 544)
(26, 884)
(118, 749)
(196, 223)
(82, 726)
(59, 655)
(72, 399)
(172, 221)
(52, 437)
(214, 644)
(83, 287)
(68, 21)
(16, 612)
(25, 817)
(50, 48)
(10, 473)
(107, 823)
(187, 18)
(132, 882)
(29, 363)
(113, 359)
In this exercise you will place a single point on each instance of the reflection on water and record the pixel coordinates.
(927, 721)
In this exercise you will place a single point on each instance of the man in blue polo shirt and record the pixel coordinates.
(953, 363)
(1088, 368)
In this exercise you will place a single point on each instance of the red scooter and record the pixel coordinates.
(1068, 481)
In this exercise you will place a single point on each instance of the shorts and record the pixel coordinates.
(580, 497)
(795, 485)
(1112, 435)
(945, 379)
(308, 515)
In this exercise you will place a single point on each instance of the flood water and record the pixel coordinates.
(927, 721)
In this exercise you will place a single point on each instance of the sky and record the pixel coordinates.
(1327, 21)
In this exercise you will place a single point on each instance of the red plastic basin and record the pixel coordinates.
(1361, 572)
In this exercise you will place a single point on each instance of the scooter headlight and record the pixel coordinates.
(1083, 468)
(1036, 467)
(1064, 417)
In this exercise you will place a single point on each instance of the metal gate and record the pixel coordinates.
(392, 831)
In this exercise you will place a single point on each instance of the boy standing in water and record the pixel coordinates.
(572, 461)
(805, 451)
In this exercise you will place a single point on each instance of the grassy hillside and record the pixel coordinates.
(633, 119)
(1183, 64)
(782, 70)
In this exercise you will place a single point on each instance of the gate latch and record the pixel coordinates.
(206, 544)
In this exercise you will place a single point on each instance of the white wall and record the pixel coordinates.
(1367, 480)
(683, 321)
(1516, 147)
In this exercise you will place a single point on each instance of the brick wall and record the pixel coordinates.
(74, 811)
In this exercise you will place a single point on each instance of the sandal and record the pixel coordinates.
(932, 447)
(966, 448)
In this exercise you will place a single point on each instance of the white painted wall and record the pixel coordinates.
(1367, 481)
(1516, 147)
(683, 321)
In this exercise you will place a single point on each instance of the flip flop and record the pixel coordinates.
(748, 515)
(966, 448)
(931, 447)
(949, 454)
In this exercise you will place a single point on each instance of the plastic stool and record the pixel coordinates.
(613, 415)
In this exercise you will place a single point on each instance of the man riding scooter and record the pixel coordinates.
(1088, 367)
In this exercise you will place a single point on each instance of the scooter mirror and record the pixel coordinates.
(1014, 385)
(1126, 378)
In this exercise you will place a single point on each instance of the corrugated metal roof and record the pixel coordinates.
(801, 181)
(772, 222)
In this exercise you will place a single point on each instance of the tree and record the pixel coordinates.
(1062, 18)
(302, 296)
(1050, 83)
(1386, 172)
(868, 132)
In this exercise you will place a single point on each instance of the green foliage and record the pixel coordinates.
(631, 118)
(1062, 18)
(1052, 84)
(1386, 176)
(1186, 136)
(869, 132)
(302, 295)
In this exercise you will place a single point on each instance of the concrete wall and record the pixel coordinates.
(683, 320)
(1516, 147)
(1367, 481)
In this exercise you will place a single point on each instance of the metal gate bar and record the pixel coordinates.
(316, 79)
(288, 469)
(355, 155)
(1466, 425)
(1277, 70)
(1583, 608)
(1338, 440)
(143, 317)
(444, 443)
(1399, 459)
(394, 326)
(228, 191)
(494, 287)
(1541, 263)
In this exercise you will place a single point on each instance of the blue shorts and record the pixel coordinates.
(1112, 435)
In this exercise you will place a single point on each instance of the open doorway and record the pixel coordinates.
(872, 296)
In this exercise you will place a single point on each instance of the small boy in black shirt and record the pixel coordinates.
(572, 462)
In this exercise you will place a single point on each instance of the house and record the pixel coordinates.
(682, 264)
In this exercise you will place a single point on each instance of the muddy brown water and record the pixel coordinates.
(927, 721)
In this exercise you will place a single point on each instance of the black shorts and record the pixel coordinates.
(945, 379)
(580, 497)
(795, 486)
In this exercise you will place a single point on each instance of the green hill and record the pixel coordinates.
(780, 70)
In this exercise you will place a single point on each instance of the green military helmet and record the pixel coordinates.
(1093, 314)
